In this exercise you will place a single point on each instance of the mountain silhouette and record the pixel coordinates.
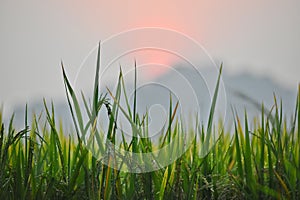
(193, 89)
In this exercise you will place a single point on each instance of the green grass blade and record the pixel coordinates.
(163, 185)
(238, 153)
(211, 113)
(70, 91)
(247, 156)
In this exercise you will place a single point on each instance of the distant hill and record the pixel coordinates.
(242, 92)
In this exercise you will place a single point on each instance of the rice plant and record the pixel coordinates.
(43, 161)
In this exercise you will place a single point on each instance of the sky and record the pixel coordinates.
(257, 37)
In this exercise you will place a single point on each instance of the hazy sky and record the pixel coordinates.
(260, 37)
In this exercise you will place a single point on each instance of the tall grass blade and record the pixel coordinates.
(211, 114)
(163, 185)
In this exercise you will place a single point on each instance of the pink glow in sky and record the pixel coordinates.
(259, 37)
(240, 33)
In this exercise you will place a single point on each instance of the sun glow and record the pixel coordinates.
(154, 63)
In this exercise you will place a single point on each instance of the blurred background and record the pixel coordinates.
(257, 41)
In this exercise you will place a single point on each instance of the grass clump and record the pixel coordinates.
(42, 162)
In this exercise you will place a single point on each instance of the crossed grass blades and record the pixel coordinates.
(42, 162)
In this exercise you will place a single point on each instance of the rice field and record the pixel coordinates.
(43, 161)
